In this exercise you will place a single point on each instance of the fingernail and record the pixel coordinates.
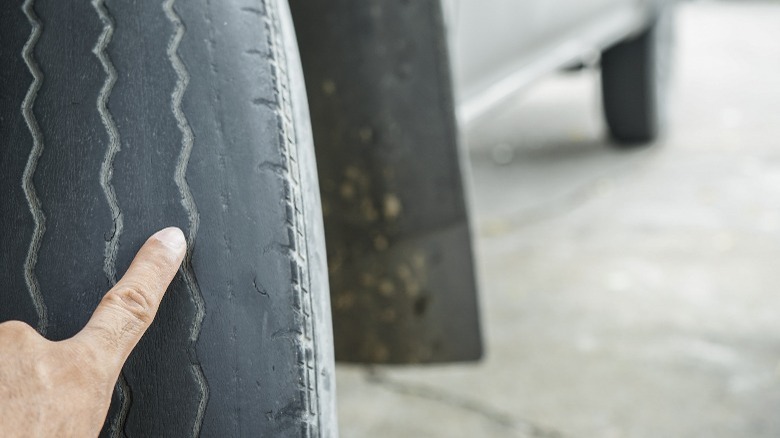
(171, 237)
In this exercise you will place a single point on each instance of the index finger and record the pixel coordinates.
(127, 310)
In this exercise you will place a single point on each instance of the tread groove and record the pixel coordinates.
(106, 174)
(107, 166)
(188, 202)
(29, 170)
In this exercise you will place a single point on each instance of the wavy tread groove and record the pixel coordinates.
(107, 166)
(188, 202)
(106, 174)
(29, 170)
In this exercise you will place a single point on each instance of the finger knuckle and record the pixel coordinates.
(136, 300)
(18, 329)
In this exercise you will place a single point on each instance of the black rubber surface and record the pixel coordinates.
(120, 118)
(396, 222)
(634, 78)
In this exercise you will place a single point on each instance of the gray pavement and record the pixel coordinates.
(625, 293)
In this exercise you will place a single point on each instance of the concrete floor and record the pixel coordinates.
(625, 293)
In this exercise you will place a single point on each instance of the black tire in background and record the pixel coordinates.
(634, 80)
(119, 118)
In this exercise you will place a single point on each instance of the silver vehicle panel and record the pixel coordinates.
(501, 46)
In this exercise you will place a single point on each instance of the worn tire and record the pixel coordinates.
(634, 77)
(120, 118)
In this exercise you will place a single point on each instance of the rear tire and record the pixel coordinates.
(634, 77)
(120, 118)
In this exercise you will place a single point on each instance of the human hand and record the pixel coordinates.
(64, 388)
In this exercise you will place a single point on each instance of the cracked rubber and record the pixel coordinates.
(120, 118)
(634, 76)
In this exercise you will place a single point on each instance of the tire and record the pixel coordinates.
(120, 118)
(634, 77)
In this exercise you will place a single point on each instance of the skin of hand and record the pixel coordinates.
(64, 388)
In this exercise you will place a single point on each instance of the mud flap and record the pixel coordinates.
(399, 246)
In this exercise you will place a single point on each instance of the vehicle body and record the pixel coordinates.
(500, 47)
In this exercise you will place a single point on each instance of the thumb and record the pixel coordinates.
(127, 310)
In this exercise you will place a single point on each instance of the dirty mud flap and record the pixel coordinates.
(399, 246)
